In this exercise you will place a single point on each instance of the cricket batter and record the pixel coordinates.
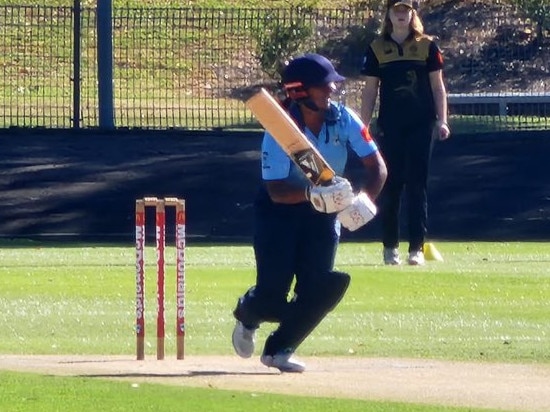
(298, 225)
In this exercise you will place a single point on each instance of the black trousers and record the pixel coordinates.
(407, 152)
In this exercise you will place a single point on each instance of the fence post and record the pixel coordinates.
(76, 63)
(105, 64)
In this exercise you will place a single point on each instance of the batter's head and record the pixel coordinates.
(310, 70)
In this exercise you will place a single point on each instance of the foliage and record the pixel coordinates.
(196, 3)
(539, 11)
(277, 43)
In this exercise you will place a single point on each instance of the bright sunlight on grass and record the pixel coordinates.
(486, 301)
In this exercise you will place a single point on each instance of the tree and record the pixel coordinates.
(539, 12)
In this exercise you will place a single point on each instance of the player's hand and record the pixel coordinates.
(442, 130)
(332, 198)
(361, 211)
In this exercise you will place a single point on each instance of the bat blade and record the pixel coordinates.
(288, 135)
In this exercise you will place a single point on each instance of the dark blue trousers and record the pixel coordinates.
(295, 248)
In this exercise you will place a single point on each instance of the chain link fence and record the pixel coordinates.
(188, 68)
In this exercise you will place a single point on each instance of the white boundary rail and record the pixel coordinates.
(502, 99)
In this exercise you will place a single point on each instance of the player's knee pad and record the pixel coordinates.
(334, 287)
(309, 308)
(325, 294)
(255, 307)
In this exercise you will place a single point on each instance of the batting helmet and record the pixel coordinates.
(310, 70)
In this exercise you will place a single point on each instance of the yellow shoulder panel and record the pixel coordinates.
(388, 51)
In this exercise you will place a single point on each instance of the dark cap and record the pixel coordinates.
(410, 3)
(310, 70)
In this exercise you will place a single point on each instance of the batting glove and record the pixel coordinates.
(361, 211)
(333, 198)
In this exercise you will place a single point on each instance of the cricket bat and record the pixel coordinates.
(288, 135)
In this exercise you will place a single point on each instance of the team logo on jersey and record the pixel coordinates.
(265, 165)
(439, 57)
(409, 88)
(366, 134)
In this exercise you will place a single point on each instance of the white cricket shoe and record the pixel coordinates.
(284, 361)
(391, 256)
(416, 258)
(244, 340)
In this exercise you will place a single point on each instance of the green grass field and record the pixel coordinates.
(487, 302)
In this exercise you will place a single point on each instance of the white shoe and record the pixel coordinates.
(243, 340)
(416, 258)
(284, 362)
(391, 256)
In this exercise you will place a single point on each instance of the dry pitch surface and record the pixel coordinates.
(511, 387)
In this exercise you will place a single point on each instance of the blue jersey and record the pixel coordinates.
(343, 130)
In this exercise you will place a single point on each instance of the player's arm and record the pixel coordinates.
(439, 92)
(362, 210)
(281, 191)
(362, 143)
(377, 173)
(370, 71)
(276, 168)
(440, 101)
(368, 98)
(440, 95)
(276, 172)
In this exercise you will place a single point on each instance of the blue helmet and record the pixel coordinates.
(310, 70)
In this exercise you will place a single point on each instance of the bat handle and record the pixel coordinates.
(326, 178)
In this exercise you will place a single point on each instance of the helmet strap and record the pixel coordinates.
(310, 104)
(298, 93)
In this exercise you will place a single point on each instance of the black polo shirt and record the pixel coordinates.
(403, 69)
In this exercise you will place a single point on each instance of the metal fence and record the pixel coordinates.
(189, 68)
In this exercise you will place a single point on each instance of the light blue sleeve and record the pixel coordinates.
(275, 162)
(359, 137)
